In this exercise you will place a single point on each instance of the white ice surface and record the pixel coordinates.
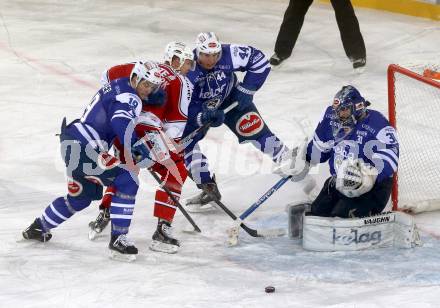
(51, 56)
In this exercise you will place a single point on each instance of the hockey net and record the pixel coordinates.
(414, 110)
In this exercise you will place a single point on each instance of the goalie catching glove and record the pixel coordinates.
(355, 178)
(295, 164)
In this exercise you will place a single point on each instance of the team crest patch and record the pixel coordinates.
(74, 188)
(249, 124)
(107, 161)
(213, 103)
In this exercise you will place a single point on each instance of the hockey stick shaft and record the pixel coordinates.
(170, 194)
(188, 138)
(250, 231)
(263, 198)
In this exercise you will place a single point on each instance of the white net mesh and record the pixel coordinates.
(417, 109)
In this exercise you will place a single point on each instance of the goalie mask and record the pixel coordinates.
(348, 107)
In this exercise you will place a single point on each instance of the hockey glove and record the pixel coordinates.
(355, 178)
(215, 117)
(243, 95)
(141, 154)
(157, 98)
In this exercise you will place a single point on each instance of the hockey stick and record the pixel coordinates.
(233, 232)
(181, 145)
(240, 223)
(170, 194)
(250, 231)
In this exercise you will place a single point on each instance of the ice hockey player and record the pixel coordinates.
(216, 87)
(363, 153)
(84, 146)
(156, 121)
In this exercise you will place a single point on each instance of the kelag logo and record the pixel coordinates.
(355, 237)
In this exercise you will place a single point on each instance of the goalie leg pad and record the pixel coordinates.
(296, 213)
(338, 234)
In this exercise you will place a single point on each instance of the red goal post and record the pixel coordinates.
(414, 110)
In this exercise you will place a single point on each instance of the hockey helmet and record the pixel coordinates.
(179, 50)
(148, 71)
(208, 43)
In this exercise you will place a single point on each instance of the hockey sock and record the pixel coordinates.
(271, 145)
(62, 209)
(107, 199)
(122, 205)
(164, 207)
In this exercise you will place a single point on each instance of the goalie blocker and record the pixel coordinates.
(391, 229)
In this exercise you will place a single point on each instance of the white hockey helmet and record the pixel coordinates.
(148, 71)
(179, 50)
(208, 43)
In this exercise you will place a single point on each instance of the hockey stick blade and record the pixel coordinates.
(264, 233)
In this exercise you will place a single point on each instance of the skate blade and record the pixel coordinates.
(162, 247)
(94, 234)
(117, 256)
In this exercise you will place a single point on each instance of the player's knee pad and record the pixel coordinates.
(126, 183)
(85, 187)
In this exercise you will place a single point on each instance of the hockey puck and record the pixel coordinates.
(269, 289)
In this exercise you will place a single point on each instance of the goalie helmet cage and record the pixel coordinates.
(414, 110)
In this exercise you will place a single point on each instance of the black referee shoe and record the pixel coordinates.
(361, 62)
(276, 60)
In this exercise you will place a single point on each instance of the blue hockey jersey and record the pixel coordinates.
(372, 139)
(212, 89)
(113, 108)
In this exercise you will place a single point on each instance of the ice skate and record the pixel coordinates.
(200, 203)
(205, 201)
(163, 240)
(36, 232)
(122, 249)
(99, 224)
